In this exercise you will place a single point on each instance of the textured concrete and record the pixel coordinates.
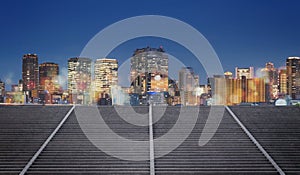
(71, 151)
(23, 129)
(230, 151)
(277, 129)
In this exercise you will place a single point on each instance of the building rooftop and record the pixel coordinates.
(147, 49)
(292, 58)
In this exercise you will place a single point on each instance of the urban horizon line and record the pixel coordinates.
(94, 60)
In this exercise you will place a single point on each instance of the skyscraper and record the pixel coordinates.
(293, 77)
(247, 72)
(30, 73)
(255, 90)
(149, 71)
(234, 91)
(218, 89)
(106, 75)
(20, 85)
(282, 81)
(49, 77)
(187, 83)
(187, 79)
(2, 88)
(79, 80)
(270, 74)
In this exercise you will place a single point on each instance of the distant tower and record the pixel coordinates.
(188, 82)
(149, 71)
(282, 81)
(293, 77)
(270, 74)
(30, 72)
(106, 75)
(20, 85)
(2, 88)
(49, 77)
(79, 80)
(247, 72)
(187, 79)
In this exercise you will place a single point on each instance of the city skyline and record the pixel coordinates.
(149, 71)
(63, 79)
(242, 33)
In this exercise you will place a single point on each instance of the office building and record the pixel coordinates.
(20, 85)
(235, 91)
(188, 82)
(218, 89)
(293, 77)
(49, 77)
(106, 76)
(255, 90)
(187, 79)
(282, 78)
(149, 72)
(30, 75)
(270, 74)
(2, 88)
(79, 80)
(247, 72)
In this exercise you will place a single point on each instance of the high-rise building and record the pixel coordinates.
(149, 71)
(218, 89)
(14, 88)
(106, 75)
(293, 77)
(270, 74)
(228, 75)
(188, 82)
(20, 85)
(79, 80)
(30, 73)
(255, 90)
(247, 72)
(187, 79)
(282, 81)
(2, 88)
(235, 91)
(49, 77)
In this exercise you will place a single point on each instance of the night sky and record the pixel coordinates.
(243, 33)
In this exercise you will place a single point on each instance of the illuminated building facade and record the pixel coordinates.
(106, 75)
(79, 80)
(218, 89)
(235, 91)
(270, 74)
(247, 72)
(30, 73)
(255, 90)
(282, 81)
(20, 85)
(49, 77)
(188, 82)
(293, 77)
(2, 88)
(149, 71)
(228, 75)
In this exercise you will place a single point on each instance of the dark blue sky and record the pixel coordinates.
(243, 32)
